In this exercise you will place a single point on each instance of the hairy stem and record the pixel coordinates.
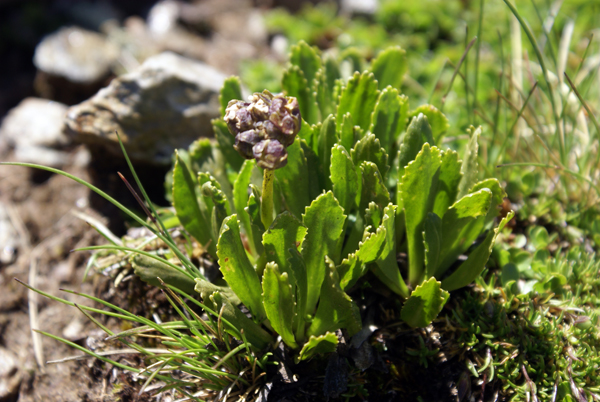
(266, 206)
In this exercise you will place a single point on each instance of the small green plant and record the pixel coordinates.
(332, 191)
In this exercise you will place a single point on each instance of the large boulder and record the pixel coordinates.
(165, 104)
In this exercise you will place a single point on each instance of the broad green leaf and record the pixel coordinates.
(237, 270)
(206, 289)
(346, 132)
(432, 239)
(424, 304)
(324, 219)
(326, 141)
(285, 233)
(307, 134)
(307, 59)
(417, 134)
(326, 85)
(318, 345)
(296, 264)
(448, 183)
(225, 141)
(149, 270)
(351, 61)
(235, 321)
(469, 270)
(232, 89)
(437, 120)
(278, 301)
(389, 117)
(389, 67)
(418, 190)
(458, 216)
(359, 98)
(187, 209)
(336, 309)
(470, 167)
(295, 84)
(352, 267)
(294, 180)
(344, 178)
(386, 268)
(240, 200)
(315, 187)
(373, 187)
(497, 197)
(369, 149)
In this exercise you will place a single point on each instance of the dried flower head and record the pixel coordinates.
(264, 127)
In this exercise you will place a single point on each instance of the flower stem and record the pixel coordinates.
(266, 207)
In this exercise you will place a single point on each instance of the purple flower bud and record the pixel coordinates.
(270, 154)
(245, 141)
(264, 127)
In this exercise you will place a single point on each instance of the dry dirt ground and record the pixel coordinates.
(40, 206)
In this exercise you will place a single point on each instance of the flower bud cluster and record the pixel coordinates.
(264, 127)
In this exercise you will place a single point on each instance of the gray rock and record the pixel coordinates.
(165, 104)
(34, 128)
(76, 54)
(10, 376)
(35, 122)
(359, 7)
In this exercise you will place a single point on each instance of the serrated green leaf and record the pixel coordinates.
(294, 180)
(307, 59)
(389, 67)
(326, 86)
(296, 264)
(352, 267)
(469, 270)
(424, 304)
(351, 61)
(318, 345)
(418, 190)
(389, 117)
(206, 289)
(437, 120)
(448, 183)
(235, 321)
(279, 302)
(386, 268)
(216, 201)
(315, 187)
(373, 215)
(237, 270)
(326, 140)
(498, 195)
(285, 233)
(324, 219)
(232, 89)
(193, 219)
(369, 149)
(346, 132)
(240, 201)
(344, 178)
(226, 142)
(458, 216)
(294, 83)
(373, 187)
(470, 167)
(336, 309)
(149, 270)
(417, 134)
(359, 98)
